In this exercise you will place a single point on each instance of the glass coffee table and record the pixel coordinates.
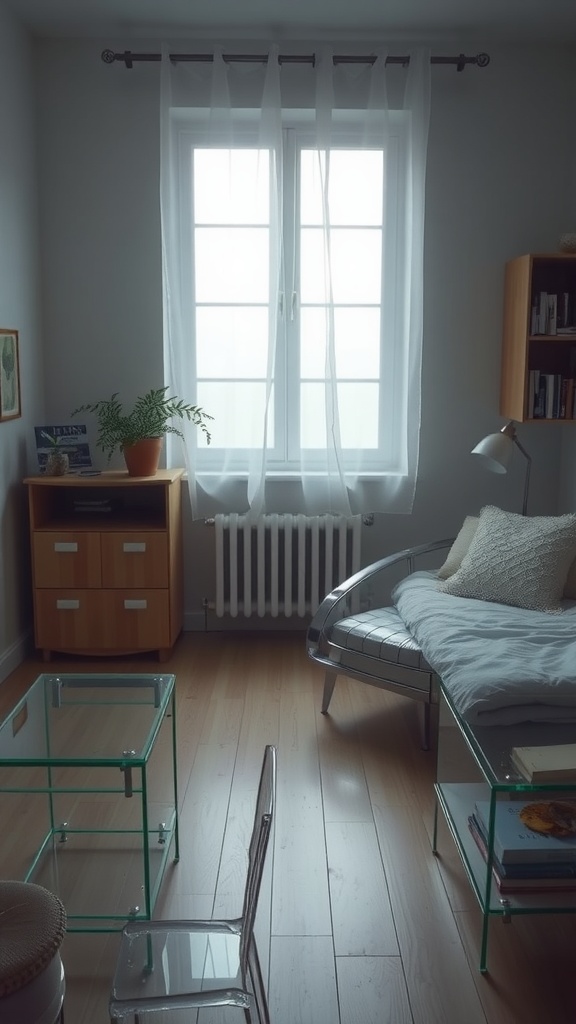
(474, 765)
(88, 778)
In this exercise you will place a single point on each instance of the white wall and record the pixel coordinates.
(500, 183)
(19, 310)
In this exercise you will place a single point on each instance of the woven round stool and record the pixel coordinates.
(32, 927)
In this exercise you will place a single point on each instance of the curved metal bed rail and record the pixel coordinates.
(329, 610)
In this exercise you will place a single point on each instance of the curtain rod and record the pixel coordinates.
(129, 59)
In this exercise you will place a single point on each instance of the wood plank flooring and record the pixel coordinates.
(367, 926)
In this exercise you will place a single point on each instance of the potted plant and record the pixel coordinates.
(57, 461)
(139, 434)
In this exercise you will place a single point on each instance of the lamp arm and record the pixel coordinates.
(527, 477)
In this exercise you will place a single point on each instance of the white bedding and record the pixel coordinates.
(500, 664)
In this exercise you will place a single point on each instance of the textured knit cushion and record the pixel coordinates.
(517, 560)
(32, 927)
(459, 548)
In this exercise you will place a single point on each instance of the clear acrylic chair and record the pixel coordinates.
(169, 965)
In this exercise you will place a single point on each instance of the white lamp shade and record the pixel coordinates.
(495, 450)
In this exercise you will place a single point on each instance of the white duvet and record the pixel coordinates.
(500, 664)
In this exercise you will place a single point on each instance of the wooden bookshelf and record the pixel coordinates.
(537, 343)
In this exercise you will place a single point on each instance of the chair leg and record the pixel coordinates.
(258, 989)
(329, 684)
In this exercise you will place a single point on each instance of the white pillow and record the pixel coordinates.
(459, 548)
(517, 560)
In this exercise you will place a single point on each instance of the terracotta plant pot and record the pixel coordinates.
(142, 458)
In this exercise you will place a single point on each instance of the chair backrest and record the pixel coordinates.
(258, 846)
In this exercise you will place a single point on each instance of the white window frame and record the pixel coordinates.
(284, 460)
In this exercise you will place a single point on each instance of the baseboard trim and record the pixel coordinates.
(14, 655)
(197, 622)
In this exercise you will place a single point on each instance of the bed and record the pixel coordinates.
(495, 621)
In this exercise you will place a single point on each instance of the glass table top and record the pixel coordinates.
(492, 746)
(86, 720)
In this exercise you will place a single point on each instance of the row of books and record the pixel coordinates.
(523, 860)
(551, 396)
(551, 313)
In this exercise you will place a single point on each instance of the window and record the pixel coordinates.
(313, 266)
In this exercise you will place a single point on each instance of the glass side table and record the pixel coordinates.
(474, 764)
(88, 769)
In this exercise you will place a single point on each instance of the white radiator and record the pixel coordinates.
(282, 563)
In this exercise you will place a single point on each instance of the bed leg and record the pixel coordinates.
(429, 716)
(329, 684)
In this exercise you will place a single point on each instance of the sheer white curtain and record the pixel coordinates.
(313, 375)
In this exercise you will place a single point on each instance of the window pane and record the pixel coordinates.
(238, 411)
(353, 264)
(231, 186)
(358, 411)
(354, 188)
(231, 264)
(356, 342)
(231, 341)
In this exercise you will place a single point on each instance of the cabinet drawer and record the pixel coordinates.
(66, 559)
(137, 619)
(134, 559)
(71, 620)
(68, 620)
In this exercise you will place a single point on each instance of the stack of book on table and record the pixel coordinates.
(526, 860)
(554, 763)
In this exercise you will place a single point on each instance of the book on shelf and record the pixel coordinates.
(522, 869)
(546, 763)
(540, 401)
(515, 842)
(552, 313)
(551, 323)
(563, 323)
(551, 392)
(537, 877)
(563, 397)
(569, 398)
(550, 395)
(542, 317)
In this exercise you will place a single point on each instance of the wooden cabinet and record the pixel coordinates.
(106, 562)
(539, 338)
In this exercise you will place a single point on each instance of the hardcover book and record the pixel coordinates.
(517, 878)
(515, 842)
(523, 870)
(546, 763)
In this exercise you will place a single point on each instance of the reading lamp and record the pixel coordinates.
(495, 451)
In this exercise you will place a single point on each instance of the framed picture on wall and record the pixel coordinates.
(9, 375)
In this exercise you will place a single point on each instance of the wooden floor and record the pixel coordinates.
(368, 927)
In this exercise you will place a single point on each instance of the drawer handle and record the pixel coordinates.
(131, 547)
(130, 604)
(64, 603)
(65, 545)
